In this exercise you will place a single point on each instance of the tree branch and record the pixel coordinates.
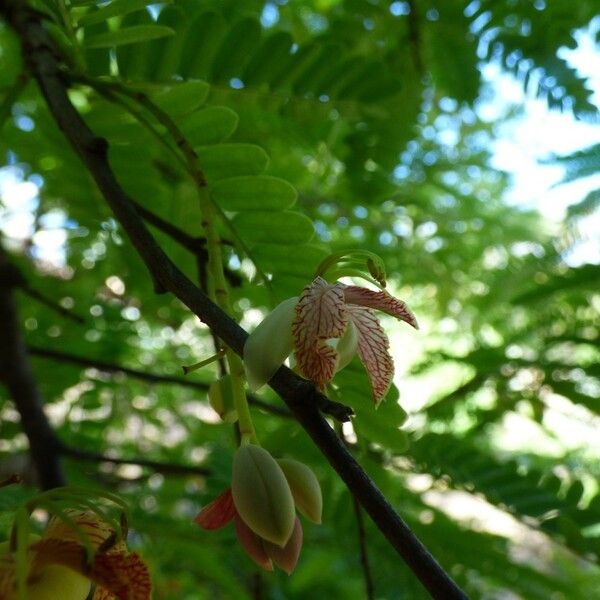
(300, 395)
(109, 367)
(57, 308)
(15, 373)
(156, 465)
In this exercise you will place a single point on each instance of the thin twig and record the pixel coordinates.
(156, 465)
(300, 395)
(189, 242)
(109, 367)
(196, 245)
(362, 547)
(57, 308)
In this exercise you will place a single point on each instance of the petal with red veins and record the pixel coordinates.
(88, 524)
(218, 513)
(381, 300)
(320, 316)
(252, 545)
(125, 576)
(373, 347)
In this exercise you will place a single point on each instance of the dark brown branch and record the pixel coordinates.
(108, 367)
(16, 375)
(158, 466)
(300, 395)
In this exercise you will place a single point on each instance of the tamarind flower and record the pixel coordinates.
(60, 566)
(325, 327)
(261, 504)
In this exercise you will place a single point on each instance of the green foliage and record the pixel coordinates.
(333, 125)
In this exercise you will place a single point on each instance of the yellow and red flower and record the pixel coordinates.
(60, 565)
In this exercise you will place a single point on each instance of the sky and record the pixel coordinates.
(538, 133)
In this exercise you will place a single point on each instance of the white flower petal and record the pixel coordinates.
(269, 344)
(347, 346)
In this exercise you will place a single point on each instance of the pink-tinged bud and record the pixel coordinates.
(286, 558)
(305, 488)
(252, 545)
(262, 495)
(218, 513)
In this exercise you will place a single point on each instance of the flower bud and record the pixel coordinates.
(261, 494)
(305, 488)
(220, 397)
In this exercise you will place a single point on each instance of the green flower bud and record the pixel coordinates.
(305, 488)
(261, 494)
(220, 397)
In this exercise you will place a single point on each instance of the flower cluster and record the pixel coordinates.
(261, 502)
(325, 327)
(70, 556)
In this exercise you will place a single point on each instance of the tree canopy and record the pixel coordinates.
(173, 170)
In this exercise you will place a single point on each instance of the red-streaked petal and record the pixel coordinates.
(123, 575)
(90, 525)
(8, 575)
(354, 294)
(252, 545)
(286, 558)
(373, 347)
(218, 513)
(320, 316)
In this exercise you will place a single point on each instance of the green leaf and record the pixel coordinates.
(210, 125)
(236, 49)
(254, 193)
(10, 53)
(284, 227)
(114, 9)
(204, 36)
(128, 35)
(271, 58)
(224, 160)
(299, 261)
(182, 98)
